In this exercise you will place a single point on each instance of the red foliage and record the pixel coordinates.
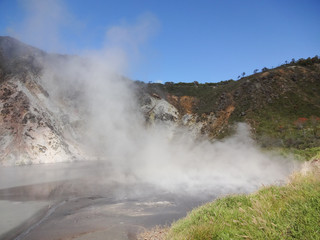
(300, 121)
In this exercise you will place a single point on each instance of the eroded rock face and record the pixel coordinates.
(32, 129)
(176, 113)
(157, 110)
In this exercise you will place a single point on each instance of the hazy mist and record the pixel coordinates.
(115, 132)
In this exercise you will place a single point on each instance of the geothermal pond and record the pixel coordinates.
(83, 201)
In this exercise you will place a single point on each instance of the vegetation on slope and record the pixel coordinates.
(274, 212)
(282, 105)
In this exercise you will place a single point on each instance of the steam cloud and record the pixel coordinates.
(115, 129)
(170, 158)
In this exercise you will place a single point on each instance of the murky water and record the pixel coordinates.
(82, 201)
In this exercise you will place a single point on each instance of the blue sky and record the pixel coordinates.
(205, 41)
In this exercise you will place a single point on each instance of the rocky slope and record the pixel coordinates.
(33, 127)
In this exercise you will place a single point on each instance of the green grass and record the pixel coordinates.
(308, 153)
(298, 154)
(287, 212)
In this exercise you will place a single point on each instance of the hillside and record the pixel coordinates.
(282, 105)
(39, 124)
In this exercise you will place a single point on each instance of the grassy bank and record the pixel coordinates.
(275, 212)
(287, 212)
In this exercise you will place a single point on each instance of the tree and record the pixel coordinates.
(264, 69)
(255, 71)
(239, 77)
(293, 61)
(243, 74)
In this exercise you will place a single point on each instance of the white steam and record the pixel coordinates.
(170, 158)
(116, 133)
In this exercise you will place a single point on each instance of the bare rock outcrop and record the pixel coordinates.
(32, 129)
